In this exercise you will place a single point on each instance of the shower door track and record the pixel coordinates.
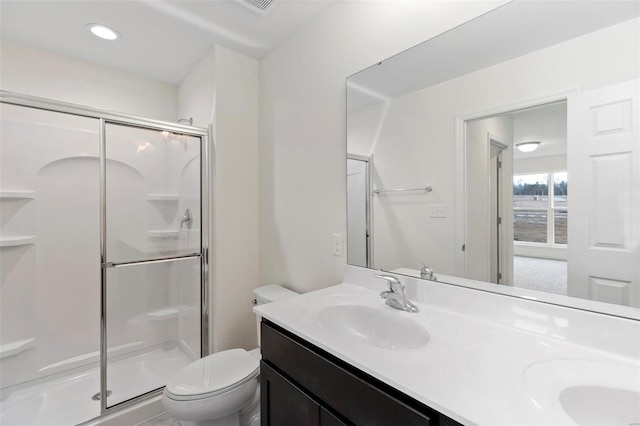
(111, 117)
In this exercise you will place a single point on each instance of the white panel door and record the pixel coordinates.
(604, 197)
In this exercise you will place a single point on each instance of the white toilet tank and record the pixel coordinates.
(270, 293)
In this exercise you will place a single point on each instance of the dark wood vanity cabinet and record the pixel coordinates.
(284, 402)
(287, 404)
(302, 385)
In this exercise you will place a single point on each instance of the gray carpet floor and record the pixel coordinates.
(540, 274)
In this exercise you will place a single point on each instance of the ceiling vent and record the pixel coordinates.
(259, 6)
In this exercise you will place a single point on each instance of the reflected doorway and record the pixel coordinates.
(516, 199)
(358, 210)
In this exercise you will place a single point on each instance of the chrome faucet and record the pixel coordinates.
(395, 296)
(426, 273)
(187, 219)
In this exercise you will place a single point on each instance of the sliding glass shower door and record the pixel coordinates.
(152, 247)
(103, 271)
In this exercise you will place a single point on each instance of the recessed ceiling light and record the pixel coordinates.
(103, 31)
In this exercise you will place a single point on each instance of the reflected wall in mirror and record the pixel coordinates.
(560, 214)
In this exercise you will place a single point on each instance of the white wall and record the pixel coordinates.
(364, 126)
(302, 127)
(236, 192)
(222, 90)
(28, 70)
(478, 180)
(197, 90)
(540, 164)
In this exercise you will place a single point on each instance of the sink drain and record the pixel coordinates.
(96, 397)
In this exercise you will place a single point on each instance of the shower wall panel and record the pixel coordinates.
(50, 258)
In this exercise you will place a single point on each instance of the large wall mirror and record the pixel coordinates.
(505, 154)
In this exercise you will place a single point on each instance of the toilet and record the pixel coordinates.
(221, 389)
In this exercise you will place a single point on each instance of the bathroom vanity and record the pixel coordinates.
(341, 356)
(302, 384)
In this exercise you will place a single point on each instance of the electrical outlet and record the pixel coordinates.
(438, 210)
(338, 246)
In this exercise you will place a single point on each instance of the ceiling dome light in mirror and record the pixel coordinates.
(103, 32)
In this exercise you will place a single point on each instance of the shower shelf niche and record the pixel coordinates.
(17, 195)
(163, 233)
(164, 314)
(171, 312)
(17, 241)
(14, 348)
(163, 197)
(167, 207)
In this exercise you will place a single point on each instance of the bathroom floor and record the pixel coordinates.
(161, 420)
(67, 400)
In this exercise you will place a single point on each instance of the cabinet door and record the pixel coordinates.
(328, 419)
(284, 404)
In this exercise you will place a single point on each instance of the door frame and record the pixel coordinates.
(503, 209)
(460, 163)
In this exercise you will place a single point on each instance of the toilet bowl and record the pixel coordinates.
(221, 389)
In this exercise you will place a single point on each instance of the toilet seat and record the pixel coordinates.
(213, 375)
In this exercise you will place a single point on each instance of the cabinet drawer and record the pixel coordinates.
(346, 390)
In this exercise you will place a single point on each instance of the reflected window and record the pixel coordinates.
(559, 206)
(540, 209)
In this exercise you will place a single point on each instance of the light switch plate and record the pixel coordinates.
(338, 246)
(438, 210)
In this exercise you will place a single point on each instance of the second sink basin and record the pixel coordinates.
(374, 327)
(589, 392)
(600, 405)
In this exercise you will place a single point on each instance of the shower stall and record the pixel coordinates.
(103, 258)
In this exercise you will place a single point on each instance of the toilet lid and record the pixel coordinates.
(213, 374)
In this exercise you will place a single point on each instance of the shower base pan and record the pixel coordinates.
(68, 400)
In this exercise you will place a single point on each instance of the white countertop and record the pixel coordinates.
(475, 368)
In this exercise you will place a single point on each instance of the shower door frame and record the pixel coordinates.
(105, 117)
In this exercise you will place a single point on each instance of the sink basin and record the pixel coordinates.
(373, 327)
(599, 405)
(588, 392)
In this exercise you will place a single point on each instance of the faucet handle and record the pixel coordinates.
(427, 272)
(395, 297)
(389, 278)
(393, 282)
